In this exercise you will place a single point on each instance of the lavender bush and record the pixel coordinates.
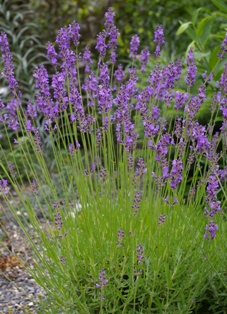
(141, 227)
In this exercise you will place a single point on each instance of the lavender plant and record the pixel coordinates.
(136, 231)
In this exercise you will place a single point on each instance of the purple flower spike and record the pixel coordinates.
(161, 219)
(134, 45)
(119, 73)
(139, 250)
(210, 229)
(73, 32)
(192, 69)
(102, 279)
(4, 186)
(86, 59)
(144, 58)
(158, 39)
(8, 72)
(176, 173)
(109, 15)
(223, 48)
(120, 236)
(51, 54)
(101, 45)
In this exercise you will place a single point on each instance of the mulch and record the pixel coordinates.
(19, 293)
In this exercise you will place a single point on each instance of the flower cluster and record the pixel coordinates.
(120, 236)
(4, 187)
(158, 39)
(102, 282)
(137, 200)
(192, 69)
(210, 229)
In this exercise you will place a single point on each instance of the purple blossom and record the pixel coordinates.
(4, 186)
(101, 45)
(141, 169)
(51, 54)
(37, 141)
(91, 85)
(11, 114)
(31, 110)
(35, 187)
(12, 169)
(63, 40)
(223, 81)
(211, 198)
(223, 48)
(105, 99)
(192, 69)
(28, 125)
(8, 71)
(98, 137)
(58, 221)
(76, 101)
(43, 97)
(68, 66)
(193, 106)
(104, 77)
(134, 45)
(86, 59)
(180, 100)
(203, 144)
(176, 173)
(113, 34)
(158, 39)
(102, 280)
(73, 32)
(58, 82)
(162, 147)
(210, 230)
(102, 173)
(113, 57)
(161, 219)
(109, 16)
(144, 55)
(120, 236)
(119, 73)
(139, 250)
(137, 200)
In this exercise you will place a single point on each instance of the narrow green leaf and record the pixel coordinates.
(220, 5)
(200, 55)
(183, 28)
(195, 15)
(214, 58)
(204, 28)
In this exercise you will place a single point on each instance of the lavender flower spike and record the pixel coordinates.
(158, 39)
(102, 279)
(211, 229)
(134, 45)
(8, 72)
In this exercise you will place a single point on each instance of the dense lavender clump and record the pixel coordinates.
(112, 107)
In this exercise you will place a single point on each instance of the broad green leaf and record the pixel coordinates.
(191, 33)
(220, 4)
(183, 28)
(204, 28)
(199, 55)
(214, 58)
(195, 15)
